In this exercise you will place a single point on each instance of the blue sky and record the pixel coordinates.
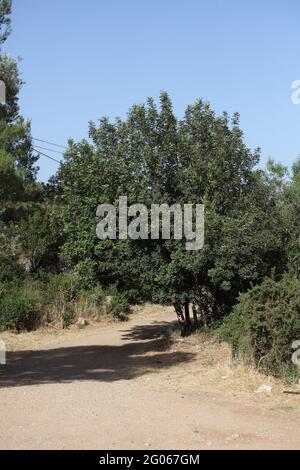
(85, 59)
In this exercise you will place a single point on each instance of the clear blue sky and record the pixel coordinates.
(83, 59)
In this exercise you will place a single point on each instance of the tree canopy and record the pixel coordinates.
(152, 157)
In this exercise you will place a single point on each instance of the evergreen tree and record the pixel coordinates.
(15, 131)
(152, 158)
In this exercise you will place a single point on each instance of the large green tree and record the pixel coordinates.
(290, 208)
(15, 132)
(18, 188)
(5, 21)
(151, 157)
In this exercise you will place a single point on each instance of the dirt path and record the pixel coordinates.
(109, 389)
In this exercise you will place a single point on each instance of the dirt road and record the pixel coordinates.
(108, 389)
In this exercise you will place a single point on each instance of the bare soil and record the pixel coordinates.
(137, 385)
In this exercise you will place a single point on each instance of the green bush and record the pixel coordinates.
(19, 308)
(63, 287)
(119, 307)
(86, 271)
(10, 269)
(50, 297)
(67, 315)
(264, 324)
(94, 296)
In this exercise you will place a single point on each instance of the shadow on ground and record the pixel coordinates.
(157, 329)
(145, 349)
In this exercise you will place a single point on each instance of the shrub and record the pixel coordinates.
(60, 294)
(64, 287)
(107, 300)
(40, 237)
(119, 306)
(86, 271)
(2, 288)
(10, 269)
(19, 308)
(94, 296)
(264, 324)
(67, 315)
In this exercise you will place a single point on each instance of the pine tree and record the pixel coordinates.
(15, 131)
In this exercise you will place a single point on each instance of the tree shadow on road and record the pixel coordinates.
(157, 329)
(146, 348)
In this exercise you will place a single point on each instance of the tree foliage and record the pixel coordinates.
(50, 254)
(5, 21)
(264, 324)
(152, 157)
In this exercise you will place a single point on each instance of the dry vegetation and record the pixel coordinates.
(212, 369)
(53, 333)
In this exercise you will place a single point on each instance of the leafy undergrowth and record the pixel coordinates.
(31, 302)
(264, 325)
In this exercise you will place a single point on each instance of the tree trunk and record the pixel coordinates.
(187, 315)
(180, 316)
(196, 324)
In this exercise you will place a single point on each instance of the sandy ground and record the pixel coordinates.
(128, 386)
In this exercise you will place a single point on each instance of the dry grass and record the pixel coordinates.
(213, 365)
(46, 336)
(54, 332)
(213, 371)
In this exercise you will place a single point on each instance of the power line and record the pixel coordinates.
(45, 155)
(50, 150)
(49, 143)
